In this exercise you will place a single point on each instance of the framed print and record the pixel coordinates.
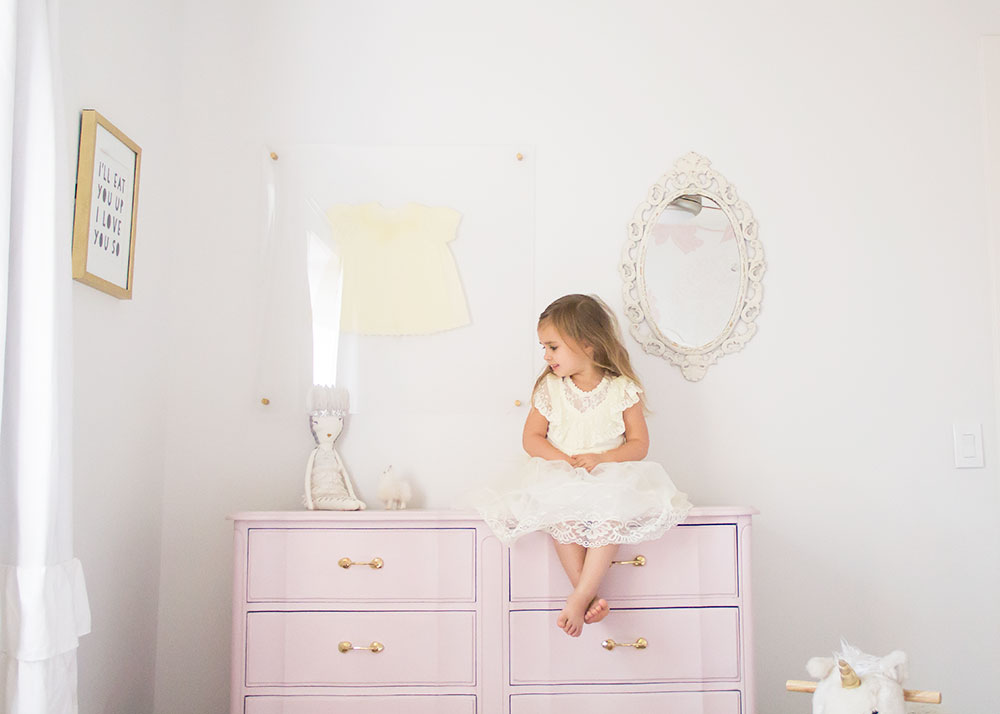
(107, 199)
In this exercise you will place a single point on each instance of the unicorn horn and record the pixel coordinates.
(848, 678)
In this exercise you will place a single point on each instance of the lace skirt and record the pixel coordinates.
(616, 503)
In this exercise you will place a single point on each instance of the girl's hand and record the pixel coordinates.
(587, 461)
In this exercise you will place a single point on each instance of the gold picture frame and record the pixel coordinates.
(107, 201)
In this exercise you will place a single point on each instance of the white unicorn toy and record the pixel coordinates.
(852, 682)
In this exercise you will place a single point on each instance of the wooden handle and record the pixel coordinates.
(910, 695)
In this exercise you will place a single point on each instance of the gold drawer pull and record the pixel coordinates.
(374, 647)
(374, 563)
(638, 561)
(639, 644)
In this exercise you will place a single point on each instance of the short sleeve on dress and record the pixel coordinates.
(448, 219)
(630, 393)
(542, 399)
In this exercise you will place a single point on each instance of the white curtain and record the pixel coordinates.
(43, 601)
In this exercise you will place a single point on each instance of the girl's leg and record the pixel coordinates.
(595, 565)
(572, 555)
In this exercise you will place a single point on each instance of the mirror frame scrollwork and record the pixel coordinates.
(693, 175)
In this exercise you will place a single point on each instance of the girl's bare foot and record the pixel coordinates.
(597, 611)
(570, 620)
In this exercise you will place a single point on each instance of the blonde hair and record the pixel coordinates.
(587, 321)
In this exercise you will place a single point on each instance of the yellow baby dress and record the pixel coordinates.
(399, 274)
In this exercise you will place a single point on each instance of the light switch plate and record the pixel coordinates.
(968, 445)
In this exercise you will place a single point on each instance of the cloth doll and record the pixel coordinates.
(328, 485)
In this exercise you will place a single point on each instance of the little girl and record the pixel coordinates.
(586, 484)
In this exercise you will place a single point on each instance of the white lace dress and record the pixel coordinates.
(618, 502)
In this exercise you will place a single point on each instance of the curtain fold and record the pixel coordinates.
(43, 600)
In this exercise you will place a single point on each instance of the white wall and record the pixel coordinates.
(116, 58)
(854, 131)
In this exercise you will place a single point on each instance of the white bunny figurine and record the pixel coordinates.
(393, 490)
(328, 485)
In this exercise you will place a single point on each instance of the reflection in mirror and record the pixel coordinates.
(692, 270)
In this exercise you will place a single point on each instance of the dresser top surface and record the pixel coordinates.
(418, 515)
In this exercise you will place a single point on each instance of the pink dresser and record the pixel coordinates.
(425, 612)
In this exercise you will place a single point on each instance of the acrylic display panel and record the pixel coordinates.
(476, 206)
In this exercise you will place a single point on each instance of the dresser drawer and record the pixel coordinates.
(286, 565)
(685, 644)
(420, 648)
(673, 702)
(688, 561)
(420, 704)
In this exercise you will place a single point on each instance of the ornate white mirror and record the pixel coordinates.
(692, 268)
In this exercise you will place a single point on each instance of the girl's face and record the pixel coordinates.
(564, 357)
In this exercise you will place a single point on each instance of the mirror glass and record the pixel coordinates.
(691, 271)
